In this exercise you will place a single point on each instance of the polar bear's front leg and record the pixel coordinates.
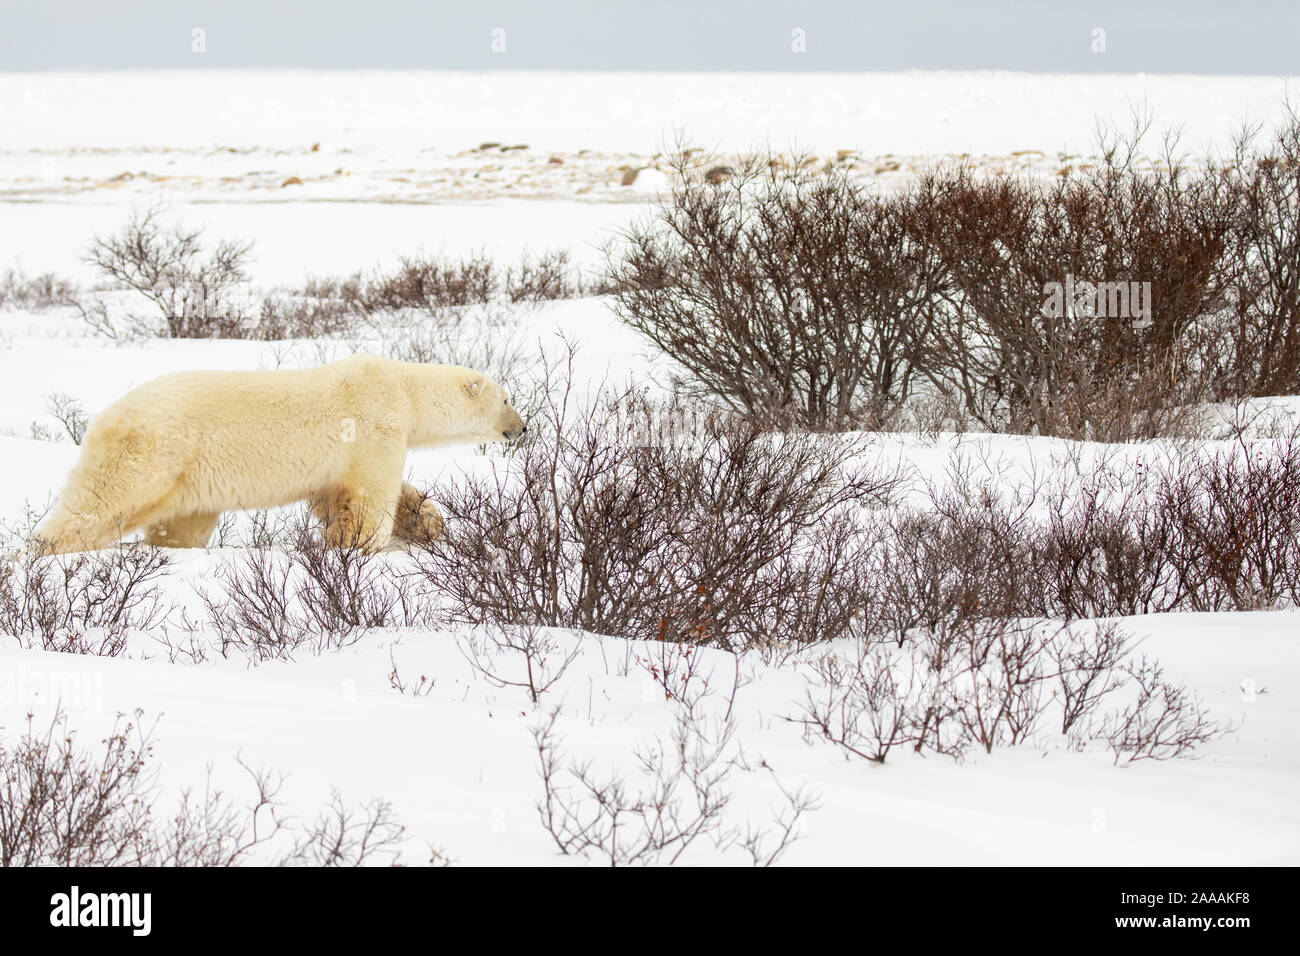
(360, 511)
(357, 519)
(417, 520)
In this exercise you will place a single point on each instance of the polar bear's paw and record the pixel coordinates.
(418, 522)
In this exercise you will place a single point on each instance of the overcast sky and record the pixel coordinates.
(1154, 36)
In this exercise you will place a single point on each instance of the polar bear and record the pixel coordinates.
(173, 454)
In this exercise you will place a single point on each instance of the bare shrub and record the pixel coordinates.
(433, 284)
(527, 657)
(196, 295)
(317, 597)
(679, 800)
(711, 538)
(1165, 721)
(679, 671)
(1261, 327)
(323, 307)
(342, 836)
(782, 292)
(1000, 682)
(84, 603)
(37, 293)
(547, 277)
(869, 701)
(69, 413)
(958, 562)
(210, 829)
(63, 805)
(1077, 371)
(1108, 546)
(185, 645)
(1087, 669)
(1238, 515)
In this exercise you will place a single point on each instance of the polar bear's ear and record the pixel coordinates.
(473, 387)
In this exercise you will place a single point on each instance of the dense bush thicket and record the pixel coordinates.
(615, 522)
(1098, 304)
(623, 518)
(714, 532)
(87, 603)
(1205, 533)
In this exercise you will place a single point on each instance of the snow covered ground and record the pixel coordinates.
(461, 769)
(459, 763)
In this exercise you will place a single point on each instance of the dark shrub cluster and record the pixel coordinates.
(322, 307)
(781, 291)
(434, 284)
(276, 604)
(1262, 322)
(1206, 533)
(1066, 307)
(719, 533)
(1097, 305)
(35, 293)
(991, 683)
(200, 293)
(89, 603)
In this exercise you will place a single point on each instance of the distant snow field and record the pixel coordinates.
(390, 164)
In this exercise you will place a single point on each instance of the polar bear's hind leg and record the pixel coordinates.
(65, 531)
(112, 491)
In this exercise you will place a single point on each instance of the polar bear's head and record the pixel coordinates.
(456, 405)
(492, 417)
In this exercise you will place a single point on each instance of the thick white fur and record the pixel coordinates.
(173, 454)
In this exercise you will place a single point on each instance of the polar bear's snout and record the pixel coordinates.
(513, 426)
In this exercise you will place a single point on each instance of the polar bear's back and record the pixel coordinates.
(252, 439)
